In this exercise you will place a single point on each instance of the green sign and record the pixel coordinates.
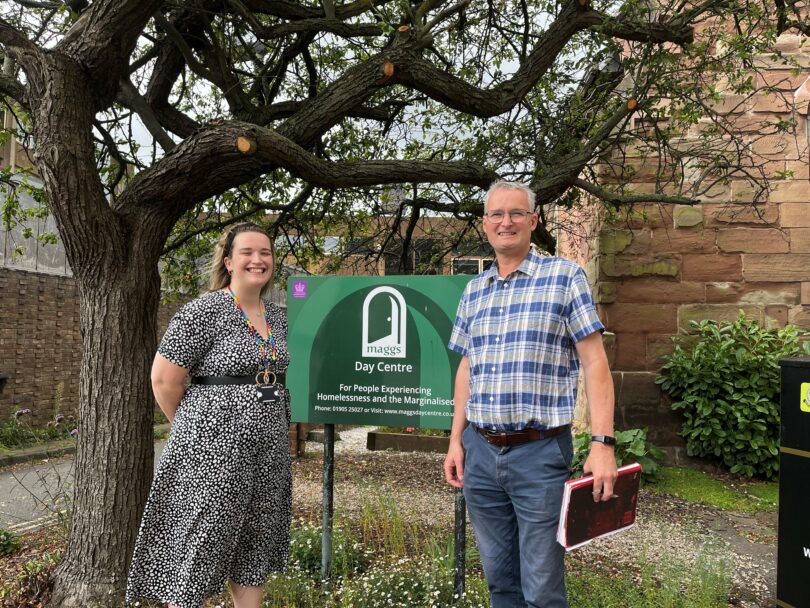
(373, 350)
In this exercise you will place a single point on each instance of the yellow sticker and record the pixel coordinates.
(804, 393)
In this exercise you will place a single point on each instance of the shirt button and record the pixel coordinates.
(492, 398)
(493, 368)
(497, 339)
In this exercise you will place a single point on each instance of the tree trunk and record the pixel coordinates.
(113, 254)
(114, 458)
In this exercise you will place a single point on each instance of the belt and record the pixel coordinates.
(280, 378)
(502, 439)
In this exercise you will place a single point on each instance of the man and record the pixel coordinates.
(523, 328)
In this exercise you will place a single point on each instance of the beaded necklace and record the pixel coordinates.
(263, 344)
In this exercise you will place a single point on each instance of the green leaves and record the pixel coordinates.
(631, 446)
(726, 385)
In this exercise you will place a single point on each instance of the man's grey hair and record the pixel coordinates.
(505, 185)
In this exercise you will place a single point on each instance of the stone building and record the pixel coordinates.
(658, 267)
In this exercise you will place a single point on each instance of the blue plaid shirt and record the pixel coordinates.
(519, 335)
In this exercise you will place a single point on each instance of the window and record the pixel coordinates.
(470, 265)
(422, 258)
(25, 246)
(330, 244)
(360, 246)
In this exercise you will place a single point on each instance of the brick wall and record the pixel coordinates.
(40, 343)
(662, 266)
(40, 347)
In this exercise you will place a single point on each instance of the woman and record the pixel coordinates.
(219, 508)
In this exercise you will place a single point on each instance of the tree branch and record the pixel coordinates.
(209, 163)
(351, 90)
(114, 153)
(232, 219)
(484, 103)
(616, 199)
(14, 40)
(102, 39)
(131, 98)
(673, 31)
(45, 5)
(11, 87)
(194, 65)
(801, 22)
(286, 9)
(333, 26)
(448, 12)
(168, 67)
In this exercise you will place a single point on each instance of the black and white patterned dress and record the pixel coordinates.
(220, 501)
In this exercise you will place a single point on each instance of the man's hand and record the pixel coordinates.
(601, 463)
(454, 465)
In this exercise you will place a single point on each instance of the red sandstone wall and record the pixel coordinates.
(662, 266)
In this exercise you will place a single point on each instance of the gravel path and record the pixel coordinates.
(667, 527)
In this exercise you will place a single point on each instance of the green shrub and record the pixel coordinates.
(725, 381)
(9, 542)
(33, 587)
(631, 446)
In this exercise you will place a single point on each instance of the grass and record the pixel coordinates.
(670, 585)
(17, 432)
(730, 495)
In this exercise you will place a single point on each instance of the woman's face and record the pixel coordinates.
(251, 260)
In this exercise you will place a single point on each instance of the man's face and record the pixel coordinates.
(511, 236)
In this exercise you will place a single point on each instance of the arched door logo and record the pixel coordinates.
(384, 320)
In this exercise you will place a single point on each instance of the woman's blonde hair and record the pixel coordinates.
(220, 277)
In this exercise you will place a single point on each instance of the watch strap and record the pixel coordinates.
(606, 439)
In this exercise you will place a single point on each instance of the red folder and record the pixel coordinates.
(582, 519)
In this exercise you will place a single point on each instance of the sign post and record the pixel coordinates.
(793, 551)
(373, 351)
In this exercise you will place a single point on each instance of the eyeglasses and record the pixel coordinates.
(516, 215)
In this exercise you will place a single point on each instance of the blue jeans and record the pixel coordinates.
(513, 498)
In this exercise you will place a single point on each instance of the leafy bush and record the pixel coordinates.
(33, 587)
(9, 543)
(631, 446)
(725, 380)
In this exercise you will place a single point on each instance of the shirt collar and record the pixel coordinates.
(529, 266)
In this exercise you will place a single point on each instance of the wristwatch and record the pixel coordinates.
(606, 439)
